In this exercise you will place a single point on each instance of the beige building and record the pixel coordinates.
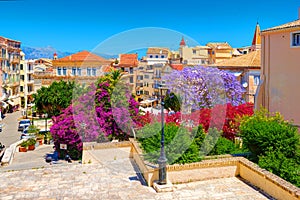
(10, 72)
(219, 51)
(279, 90)
(82, 67)
(246, 67)
(26, 81)
(197, 55)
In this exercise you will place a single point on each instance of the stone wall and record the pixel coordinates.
(217, 167)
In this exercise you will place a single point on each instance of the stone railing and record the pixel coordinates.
(211, 168)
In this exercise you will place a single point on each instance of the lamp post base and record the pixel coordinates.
(168, 187)
(162, 162)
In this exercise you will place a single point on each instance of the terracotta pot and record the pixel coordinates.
(22, 149)
(31, 147)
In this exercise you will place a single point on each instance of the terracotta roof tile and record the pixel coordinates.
(252, 59)
(158, 50)
(129, 60)
(177, 66)
(292, 24)
(219, 45)
(83, 56)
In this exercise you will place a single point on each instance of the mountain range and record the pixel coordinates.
(47, 52)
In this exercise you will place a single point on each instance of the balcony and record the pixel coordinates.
(15, 60)
(30, 81)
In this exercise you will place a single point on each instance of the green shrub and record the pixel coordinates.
(279, 164)
(179, 144)
(264, 131)
(225, 146)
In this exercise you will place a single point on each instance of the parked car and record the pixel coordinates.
(26, 135)
(23, 124)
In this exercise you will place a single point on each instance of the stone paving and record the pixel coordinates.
(116, 178)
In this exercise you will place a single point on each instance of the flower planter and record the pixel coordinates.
(41, 141)
(22, 149)
(31, 147)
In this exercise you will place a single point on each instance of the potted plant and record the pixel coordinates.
(31, 144)
(40, 138)
(23, 146)
(47, 138)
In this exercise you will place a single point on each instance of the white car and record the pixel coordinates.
(23, 124)
(26, 135)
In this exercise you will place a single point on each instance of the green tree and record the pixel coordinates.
(56, 97)
(172, 101)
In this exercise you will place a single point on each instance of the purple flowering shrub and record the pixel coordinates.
(105, 111)
(204, 87)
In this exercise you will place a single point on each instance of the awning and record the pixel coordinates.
(11, 102)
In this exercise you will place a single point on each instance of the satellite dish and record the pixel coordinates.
(245, 84)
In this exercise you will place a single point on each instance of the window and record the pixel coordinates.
(131, 70)
(78, 71)
(88, 71)
(146, 76)
(256, 79)
(74, 71)
(131, 79)
(21, 88)
(22, 77)
(162, 56)
(212, 52)
(21, 66)
(94, 70)
(151, 56)
(64, 71)
(156, 56)
(59, 71)
(295, 39)
(194, 52)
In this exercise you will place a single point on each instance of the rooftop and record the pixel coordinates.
(83, 56)
(158, 50)
(289, 25)
(219, 45)
(252, 60)
(128, 60)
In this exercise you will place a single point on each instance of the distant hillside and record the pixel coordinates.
(42, 52)
(47, 52)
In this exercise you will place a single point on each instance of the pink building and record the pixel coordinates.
(279, 89)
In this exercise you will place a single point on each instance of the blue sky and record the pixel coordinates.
(84, 24)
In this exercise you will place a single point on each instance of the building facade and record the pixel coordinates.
(219, 51)
(279, 90)
(83, 67)
(10, 72)
(197, 55)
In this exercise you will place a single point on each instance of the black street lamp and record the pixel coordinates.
(46, 116)
(162, 161)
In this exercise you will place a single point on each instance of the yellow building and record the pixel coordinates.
(10, 72)
(83, 67)
(219, 51)
(279, 90)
